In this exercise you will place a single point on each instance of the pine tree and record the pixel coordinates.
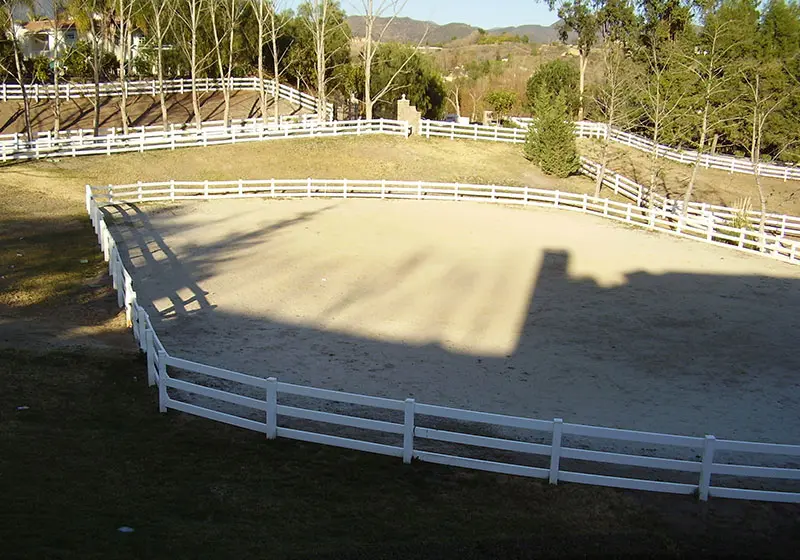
(550, 143)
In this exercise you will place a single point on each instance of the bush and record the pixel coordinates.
(501, 101)
(550, 143)
(558, 77)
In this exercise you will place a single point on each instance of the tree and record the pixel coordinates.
(578, 16)
(330, 37)
(124, 20)
(708, 62)
(556, 77)
(612, 97)
(93, 17)
(7, 9)
(386, 10)
(270, 26)
(231, 14)
(190, 15)
(550, 142)
(401, 69)
(501, 102)
(159, 17)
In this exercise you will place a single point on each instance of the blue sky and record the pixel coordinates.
(480, 13)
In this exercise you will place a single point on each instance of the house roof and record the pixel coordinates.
(47, 25)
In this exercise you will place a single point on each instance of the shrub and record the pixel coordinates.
(501, 101)
(550, 143)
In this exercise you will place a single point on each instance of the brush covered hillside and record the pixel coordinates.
(407, 30)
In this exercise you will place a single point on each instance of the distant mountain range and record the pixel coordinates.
(407, 30)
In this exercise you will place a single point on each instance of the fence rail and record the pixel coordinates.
(266, 410)
(776, 224)
(731, 164)
(698, 227)
(69, 90)
(141, 140)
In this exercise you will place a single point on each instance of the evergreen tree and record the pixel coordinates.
(550, 143)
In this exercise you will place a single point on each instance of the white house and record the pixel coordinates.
(39, 38)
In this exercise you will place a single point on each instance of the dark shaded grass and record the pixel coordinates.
(92, 454)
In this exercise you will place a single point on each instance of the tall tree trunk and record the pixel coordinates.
(123, 55)
(162, 96)
(220, 65)
(583, 60)
(262, 92)
(368, 47)
(700, 149)
(96, 76)
(198, 117)
(26, 104)
(56, 81)
(275, 63)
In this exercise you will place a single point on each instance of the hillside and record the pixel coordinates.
(407, 30)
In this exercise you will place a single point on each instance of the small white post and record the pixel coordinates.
(272, 408)
(408, 431)
(163, 398)
(555, 453)
(705, 470)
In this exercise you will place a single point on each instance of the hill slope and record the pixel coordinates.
(407, 30)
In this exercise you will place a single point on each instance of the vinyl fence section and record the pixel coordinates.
(264, 405)
(700, 228)
(68, 90)
(141, 140)
(588, 129)
(776, 224)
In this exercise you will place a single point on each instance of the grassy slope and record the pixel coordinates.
(713, 186)
(92, 454)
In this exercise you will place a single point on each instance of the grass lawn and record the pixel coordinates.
(90, 453)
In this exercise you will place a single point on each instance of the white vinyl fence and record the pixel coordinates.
(776, 224)
(266, 405)
(731, 164)
(68, 90)
(698, 227)
(46, 145)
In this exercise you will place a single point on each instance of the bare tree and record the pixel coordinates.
(7, 9)
(611, 99)
(707, 63)
(92, 16)
(159, 18)
(762, 101)
(662, 101)
(59, 7)
(386, 10)
(191, 19)
(270, 27)
(232, 11)
(124, 21)
(317, 18)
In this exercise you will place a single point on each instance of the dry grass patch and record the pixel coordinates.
(713, 186)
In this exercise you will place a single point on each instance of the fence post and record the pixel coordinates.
(162, 381)
(705, 470)
(150, 352)
(172, 190)
(408, 431)
(344, 188)
(272, 408)
(555, 453)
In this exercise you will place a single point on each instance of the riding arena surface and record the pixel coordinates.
(527, 312)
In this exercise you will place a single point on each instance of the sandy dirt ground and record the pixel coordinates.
(526, 312)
